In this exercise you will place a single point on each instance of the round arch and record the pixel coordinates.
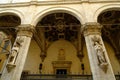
(105, 8)
(51, 10)
(12, 12)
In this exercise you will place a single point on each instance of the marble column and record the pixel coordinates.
(99, 61)
(18, 55)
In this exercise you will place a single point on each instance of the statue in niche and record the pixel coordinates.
(61, 54)
(100, 53)
(15, 49)
(14, 53)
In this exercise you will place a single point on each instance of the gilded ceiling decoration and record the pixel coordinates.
(57, 26)
(60, 26)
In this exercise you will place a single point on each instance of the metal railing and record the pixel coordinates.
(58, 77)
(55, 77)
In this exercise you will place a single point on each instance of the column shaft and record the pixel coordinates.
(15, 66)
(98, 57)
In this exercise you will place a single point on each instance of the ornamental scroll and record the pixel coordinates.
(102, 62)
(14, 53)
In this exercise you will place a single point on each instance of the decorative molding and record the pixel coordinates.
(62, 65)
(38, 3)
(58, 2)
(91, 28)
(25, 30)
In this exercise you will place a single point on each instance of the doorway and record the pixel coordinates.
(61, 73)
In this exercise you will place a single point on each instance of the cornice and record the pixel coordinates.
(39, 3)
(103, 1)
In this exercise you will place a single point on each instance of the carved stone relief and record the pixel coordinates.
(14, 53)
(61, 54)
(99, 50)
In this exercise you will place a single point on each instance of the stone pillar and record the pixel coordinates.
(98, 57)
(18, 55)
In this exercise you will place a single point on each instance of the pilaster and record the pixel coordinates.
(100, 64)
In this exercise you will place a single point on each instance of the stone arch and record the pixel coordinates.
(108, 17)
(71, 11)
(13, 12)
(105, 8)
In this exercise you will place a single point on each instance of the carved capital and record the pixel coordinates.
(25, 30)
(91, 28)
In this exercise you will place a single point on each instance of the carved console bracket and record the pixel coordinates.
(80, 55)
(10, 67)
(43, 55)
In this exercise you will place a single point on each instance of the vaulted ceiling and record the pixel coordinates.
(60, 26)
(111, 28)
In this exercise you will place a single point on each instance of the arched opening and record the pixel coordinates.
(58, 33)
(8, 22)
(110, 19)
(59, 26)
